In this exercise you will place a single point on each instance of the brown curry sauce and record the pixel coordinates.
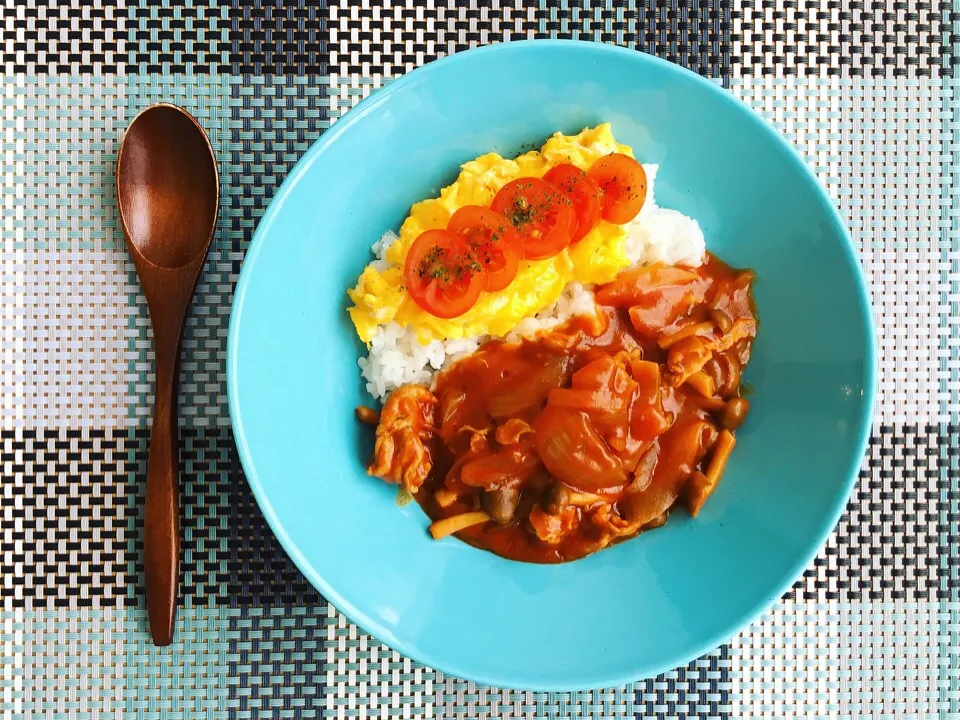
(592, 432)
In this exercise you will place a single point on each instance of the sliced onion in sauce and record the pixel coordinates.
(691, 444)
(634, 286)
(573, 452)
(492, 470)
(643, 474)
(525, 390)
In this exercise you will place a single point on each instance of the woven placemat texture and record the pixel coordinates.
(868, 91)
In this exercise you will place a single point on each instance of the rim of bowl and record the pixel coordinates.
(591, 679)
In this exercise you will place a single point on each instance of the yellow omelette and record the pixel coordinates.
(380, 297)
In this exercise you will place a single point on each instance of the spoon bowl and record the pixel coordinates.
(168, 190)
(165, 197)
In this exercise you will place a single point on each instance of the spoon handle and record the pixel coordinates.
(162, 522)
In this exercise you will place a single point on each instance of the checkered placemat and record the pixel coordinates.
(866, 90)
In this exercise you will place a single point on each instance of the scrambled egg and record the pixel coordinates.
(380, 296)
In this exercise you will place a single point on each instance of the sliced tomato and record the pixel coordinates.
(583, 193)
(623, 184)
(442, 275)
(494, 242)
(541, 214)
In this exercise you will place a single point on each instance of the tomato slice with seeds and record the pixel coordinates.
(541, 214)
(441, 274)
(583, 193)
(623, 184)
(493, 241)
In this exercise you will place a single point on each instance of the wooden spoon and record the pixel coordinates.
(168, 190)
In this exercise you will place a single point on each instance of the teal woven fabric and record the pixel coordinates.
(866, 90)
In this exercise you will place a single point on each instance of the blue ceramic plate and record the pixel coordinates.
(631, 611)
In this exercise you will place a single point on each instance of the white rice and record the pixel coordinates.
(574, 300)
(398, 358)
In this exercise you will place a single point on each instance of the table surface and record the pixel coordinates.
(868, 95)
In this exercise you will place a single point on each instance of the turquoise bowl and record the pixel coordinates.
(649, 604)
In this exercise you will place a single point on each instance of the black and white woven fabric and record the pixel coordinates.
(866, 90)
